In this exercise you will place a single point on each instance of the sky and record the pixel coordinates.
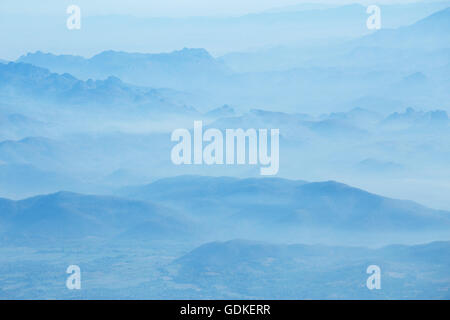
(163, 8)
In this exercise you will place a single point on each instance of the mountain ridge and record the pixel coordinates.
(37, 82)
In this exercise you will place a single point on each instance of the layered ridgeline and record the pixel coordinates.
(376, 71)
(251, 270)
(66, 216)
(205, 208)
(431, 32)
(223, 208)
(423, 44)
(178, 69)
(282, 209)
(129, 248)
(28, 84)
(358, 144)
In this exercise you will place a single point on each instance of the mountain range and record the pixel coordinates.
(173, 70)
(87, 177)
(279, 209)
(28, 81)
(302, 77)
(430, 32)
(222, 208)
(66, 216)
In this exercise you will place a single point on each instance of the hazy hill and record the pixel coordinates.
(246, 269)
(410, 118)
(33, 150)
(376, 66)
(28, 81)
(193, 66)
(25, 179)
(191, 188)
(301, 127)
(18, 126)
(70, 216)
(281, 209)
(431, 32)
(223, 111)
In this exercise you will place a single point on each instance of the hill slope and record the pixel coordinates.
(275, 208)
(28, 81)
(431, 32)
(251, 270)
(70, 216)
(160, 70)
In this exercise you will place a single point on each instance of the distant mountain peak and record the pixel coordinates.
(29, 80)
(431, 32)
(437, 19)
(198, 52)
(417, 77)
(185, 52)
(223, 111)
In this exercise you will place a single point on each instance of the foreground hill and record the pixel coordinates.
(246, 269)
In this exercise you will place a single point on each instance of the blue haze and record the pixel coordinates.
(86, 176)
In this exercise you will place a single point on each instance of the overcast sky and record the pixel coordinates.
(163, 7)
